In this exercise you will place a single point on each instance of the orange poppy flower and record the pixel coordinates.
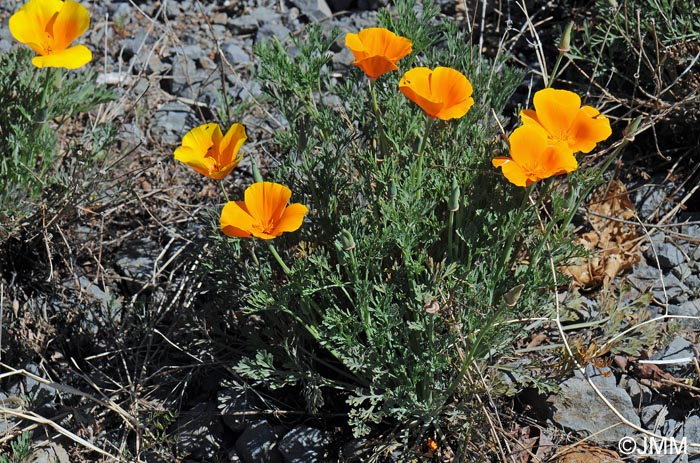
(263, 214)
(49, 27)
(559, 112)
(209, 152)
(444, 93)
(377, 50)
(533, 157)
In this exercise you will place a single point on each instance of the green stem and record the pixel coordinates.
(256, 171)
(553, 75)
(508, 249)
(421, 149)
(450, 232)
(278, 258)
(383, 144)
(221, 182)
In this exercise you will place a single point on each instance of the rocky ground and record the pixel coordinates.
(119, 312)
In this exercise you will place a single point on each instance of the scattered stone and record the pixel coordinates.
(315, 10)
(258, 444)
(169, 121)
(687, 309)
(235, 406)
(678, 349)
(235, 54)
(54, 453)
(668, 254)
(640, 394)
(200, 431)
(578, 408)
(654, 416)
(303, 444)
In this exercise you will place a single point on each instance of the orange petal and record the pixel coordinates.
(376, 40)
(527, 143)
(398, 48)
(529, 117)
(195, 160)
(588, 128)
(512, 171)
(70, 23)
(455, 91)
(28, 24)
(354, 43)
(235, 220)
(416, 86)
(266, 202)
(70, 58)
(231, 145)
(201, 138)
(556, 110)
(375, 66)
(291, 219)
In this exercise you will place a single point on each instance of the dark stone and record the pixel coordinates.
(200, 431)
(303, 444)
(258, 444)
(578, 408)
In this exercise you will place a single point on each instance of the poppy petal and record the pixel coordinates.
(194, 159)
(375, 66)
(70, 58)
(515, 174)
(236, 221)
(231, 145)
(354, 43)
(29, 23)
(556, 110)
(588, 128)
(292, 218)
(266, 201)
(527, 143)
(70, 23)
(416, 86)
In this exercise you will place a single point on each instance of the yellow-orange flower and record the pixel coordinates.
(263, 214)
(559, 112)
(533, 157)
(377, 50)
(444, 93)
(209, 152)
(49, 27)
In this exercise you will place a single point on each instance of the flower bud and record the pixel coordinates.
(392, 190)
(347, 240)
(565, 42)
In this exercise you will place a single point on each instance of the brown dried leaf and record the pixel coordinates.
(612, 240)
(584, 453)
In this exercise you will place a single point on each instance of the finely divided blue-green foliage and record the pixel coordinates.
(354, 318)
(34, 103)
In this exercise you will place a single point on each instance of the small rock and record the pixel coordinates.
(200, 431)
(303, 444)
(234, 404)
(578, 408)
(219, 18)
(235, 54)
(269, 30)
(678, 349)
(687, 309)
(51, 454)
(169, 120)
(669, 255)
(258, 444)
(640, 394)
(39, 392)
(315, 10)
(654, 416)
